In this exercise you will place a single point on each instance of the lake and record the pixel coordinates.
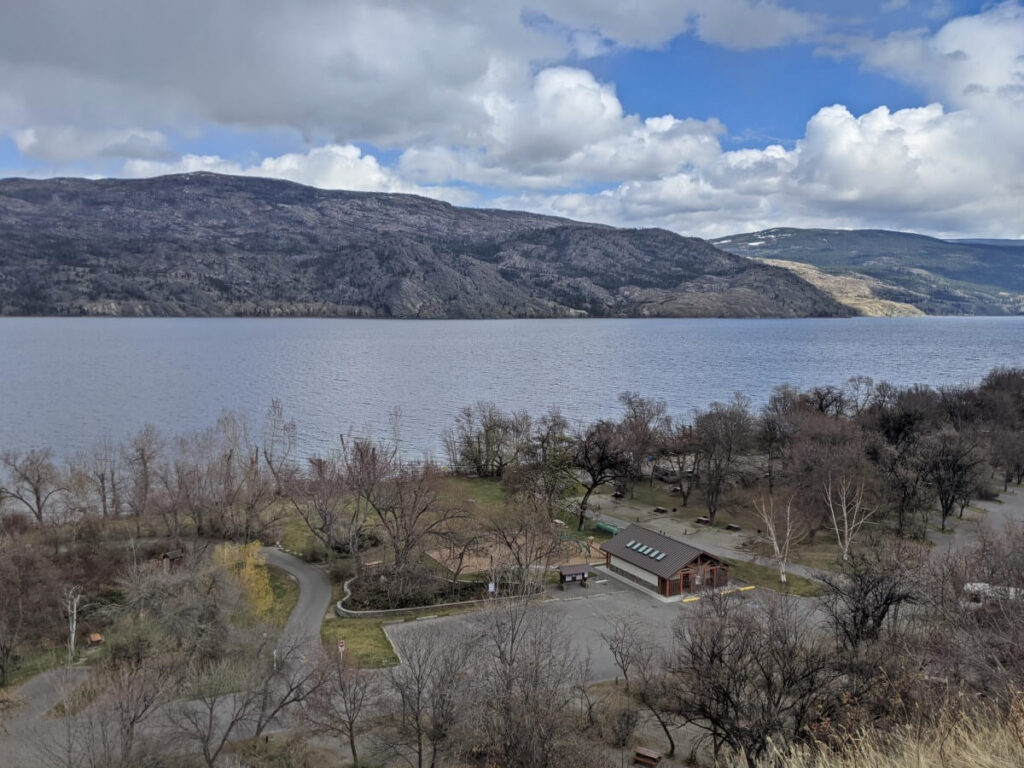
(66, 382)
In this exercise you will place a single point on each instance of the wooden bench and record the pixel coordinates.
(732, 527)
(703, 521)
(643, 756)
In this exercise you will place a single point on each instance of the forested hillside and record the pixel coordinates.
(209, 245)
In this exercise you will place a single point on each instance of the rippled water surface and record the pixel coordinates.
(66, 382)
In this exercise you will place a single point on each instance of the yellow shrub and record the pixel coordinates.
(248, 566)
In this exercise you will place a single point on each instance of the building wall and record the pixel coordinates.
(638, 574)
(714, 574)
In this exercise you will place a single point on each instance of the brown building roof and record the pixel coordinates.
(654, 552)
(574, 570)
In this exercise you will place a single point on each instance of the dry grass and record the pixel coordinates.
(857, 292)
(474, 493)
(768, 578)
(962, 742)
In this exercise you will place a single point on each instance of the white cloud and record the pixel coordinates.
(479, 93)
(954, 167)
(67, 144)
(568, 128)
(743, 24)
(967, 60)
(387, 72)
(923, 169)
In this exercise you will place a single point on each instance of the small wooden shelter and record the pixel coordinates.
(663, 564)
(573, 573)
(171, 559)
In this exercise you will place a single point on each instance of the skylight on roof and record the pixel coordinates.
(660, 557)
(653, 553)
(631, 542)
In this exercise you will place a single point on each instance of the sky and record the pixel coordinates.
(705, 117)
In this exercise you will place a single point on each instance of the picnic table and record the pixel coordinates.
(644, 756)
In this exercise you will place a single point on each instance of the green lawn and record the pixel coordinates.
(36, 660)
(286, 595)
(768, 578)
(366, 645)
(571, 521)
(487, 495)
(296, 537)
(643, 494)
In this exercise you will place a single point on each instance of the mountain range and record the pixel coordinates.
(204, 244)
(878, 272)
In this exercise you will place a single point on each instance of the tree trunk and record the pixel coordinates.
(352, 748)
(583, 507)
(665, 728)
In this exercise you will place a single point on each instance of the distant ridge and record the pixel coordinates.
(204, 244)
(883, 272)
(1002, 243)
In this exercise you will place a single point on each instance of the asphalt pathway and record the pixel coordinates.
(30, 723)
(314, 595)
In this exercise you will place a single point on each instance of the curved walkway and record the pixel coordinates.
(43, 692)
(314, 595)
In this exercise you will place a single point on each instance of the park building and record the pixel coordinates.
(662, 564)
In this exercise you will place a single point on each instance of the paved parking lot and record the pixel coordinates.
(586, 614)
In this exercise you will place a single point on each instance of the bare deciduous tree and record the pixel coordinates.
(847, 510)
(645, 671)
(870, 586)
(141, 457)
(641, 428)
(682, 452)
(951, 466)
(294, 674)
(775, 429)
(521, 690)
(33, 480)
(485, 440)
(318, 498)
(722, 431)
(339, 708)
(600, 457)
(528, 541)
(410, 512)
(752, 677)
(279, 436)
(858, 393)
(783, 529)
(71, 604)
(132, 689)
(427, 697)
(545, 468)
(216, 709)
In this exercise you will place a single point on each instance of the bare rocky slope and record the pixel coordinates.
(210, 245)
